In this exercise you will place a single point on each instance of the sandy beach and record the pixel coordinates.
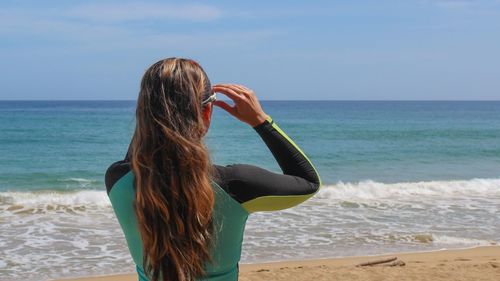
(482, 263)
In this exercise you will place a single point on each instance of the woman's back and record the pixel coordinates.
(229, 223)
(239, 190)
(183, 216)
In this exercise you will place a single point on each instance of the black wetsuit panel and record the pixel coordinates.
(245, 182)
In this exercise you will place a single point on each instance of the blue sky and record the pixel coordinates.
(340, 50)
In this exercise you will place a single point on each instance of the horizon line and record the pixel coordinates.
(340, 100)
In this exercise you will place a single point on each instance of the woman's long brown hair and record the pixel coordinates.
(174, 198)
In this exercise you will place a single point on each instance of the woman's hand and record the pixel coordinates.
(246, 106)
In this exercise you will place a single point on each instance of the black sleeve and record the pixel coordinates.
(117, 170)
(114, 172)
(258, 189)
(291, 159)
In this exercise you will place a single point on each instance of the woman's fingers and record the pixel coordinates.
(225, 106)
(242, 87)
(246, 105)
(236, 87)
(239, 89)
(231, 93)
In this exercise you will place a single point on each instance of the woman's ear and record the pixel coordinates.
(207, 114)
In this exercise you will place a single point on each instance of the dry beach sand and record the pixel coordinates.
(482, 263)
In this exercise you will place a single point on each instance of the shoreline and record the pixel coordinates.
(477, 263)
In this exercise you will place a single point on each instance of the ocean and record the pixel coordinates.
(398, 177)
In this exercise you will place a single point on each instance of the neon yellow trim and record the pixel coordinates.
(279, 202)
(274, 202)
(275, 126)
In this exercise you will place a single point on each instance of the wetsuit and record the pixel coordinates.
(240, 189)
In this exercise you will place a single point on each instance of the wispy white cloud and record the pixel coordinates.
(119, 12)
(466, 4)
(105, 26)
(99, 17)
(106, 36)
(453, 4)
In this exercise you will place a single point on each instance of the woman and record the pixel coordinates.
(183, 217)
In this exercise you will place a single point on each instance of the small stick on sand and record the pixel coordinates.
(375, 262)
(395, 263)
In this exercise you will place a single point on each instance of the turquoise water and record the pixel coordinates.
(398, 176)
(68, 145)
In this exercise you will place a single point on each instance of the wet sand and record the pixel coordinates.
(482, 263)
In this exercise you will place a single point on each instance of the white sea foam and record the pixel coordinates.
(363, 190)
(370, 217)
(371, 190)
(49, 233)
(55, 198)
(461, 241)
(81, 182)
